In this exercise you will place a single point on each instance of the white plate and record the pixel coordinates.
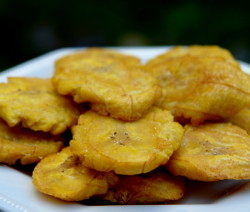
(17, 193)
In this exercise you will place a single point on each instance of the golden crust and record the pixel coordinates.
(153, 187)
(201, 88)
(212, 152)
(17, 143)
(128, 148)
(213, 52)
(34, 103)
(242, 119)
(62, 176)
(113, 83)
(223, 91)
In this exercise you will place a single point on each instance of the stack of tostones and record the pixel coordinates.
(128, 148)
(127, 140)
(121, 134)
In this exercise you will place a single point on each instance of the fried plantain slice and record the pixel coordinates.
(113, 83)
(202, 88)
(242, 119)
(211, 51)
(62, 176)
(34, 103)
(127, 148)
(22, 144)
(211, 152)
(153, 187)
(223, 92)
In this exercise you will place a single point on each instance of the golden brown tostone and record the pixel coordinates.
(25, 145)
(200, 87)
(114, 84)
(107, 144)
(212, 152)
(34, 103)
(63, 176)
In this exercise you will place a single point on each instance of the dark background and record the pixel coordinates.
(30, 28)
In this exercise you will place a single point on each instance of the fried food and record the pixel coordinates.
(113, 83)
(215, 52)
(63, 176)
(34, 103)
(211, 152)
(201, 88)
(153, 187)
(127, 148)
(224, 91)
(119, 146)
(24, 145)
(242, 119)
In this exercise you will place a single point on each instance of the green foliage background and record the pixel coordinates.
(30, 28)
